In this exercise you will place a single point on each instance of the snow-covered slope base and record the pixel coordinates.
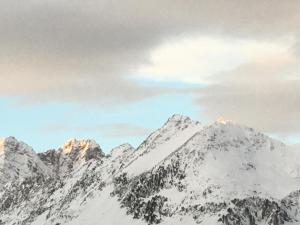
(184, 173)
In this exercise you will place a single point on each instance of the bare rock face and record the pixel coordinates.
(82, 150)
(71, 155)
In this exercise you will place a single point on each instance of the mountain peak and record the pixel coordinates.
(10, 145)
(222, 120)
(71, 155)
(8, 141)
(178, 117)
(76, 152)
(179, 122)
(86, 148)
(121, 150)
(162, 142)
(83, 144)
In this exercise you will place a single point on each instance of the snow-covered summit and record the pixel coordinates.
(174, 133)
(175, 126)
(121, 150)
(18, 161)
(178, 117)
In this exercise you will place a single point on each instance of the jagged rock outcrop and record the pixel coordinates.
(71, 155)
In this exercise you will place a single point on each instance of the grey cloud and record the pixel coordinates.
(261, 95)
(83, 50)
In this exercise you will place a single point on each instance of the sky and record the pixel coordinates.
(114, 71)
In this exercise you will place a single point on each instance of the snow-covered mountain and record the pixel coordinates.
(183, 173)
(18, 161)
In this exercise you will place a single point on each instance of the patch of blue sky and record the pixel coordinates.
(289, 139)
(24, 122)
(30, 123)
(150, 113)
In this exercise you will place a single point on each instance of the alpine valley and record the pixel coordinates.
(184, 173)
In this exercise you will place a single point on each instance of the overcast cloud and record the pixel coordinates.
(82, 51)
(261, 95)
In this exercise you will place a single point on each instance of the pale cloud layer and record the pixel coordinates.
(247, 53)
(264, 95)
(199, 59)
(110, 130)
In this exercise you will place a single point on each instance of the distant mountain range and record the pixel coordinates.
(184, 173)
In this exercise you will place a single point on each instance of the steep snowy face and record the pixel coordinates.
(237, 161)
(18, 161)
(73, 154)
(224, 174)
(173, 134)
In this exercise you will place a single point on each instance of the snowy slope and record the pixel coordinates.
(221, 166)
(240, 161)
(226, 161)
(184, 173)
